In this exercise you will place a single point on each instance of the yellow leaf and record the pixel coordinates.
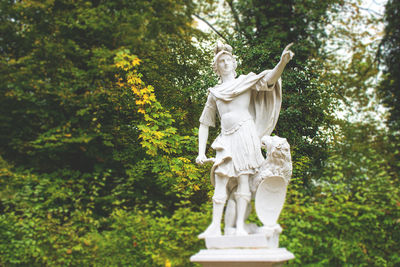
(136, 62)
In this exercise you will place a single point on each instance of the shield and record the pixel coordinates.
(269, 199)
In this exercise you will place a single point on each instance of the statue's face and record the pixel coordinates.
(225, 64)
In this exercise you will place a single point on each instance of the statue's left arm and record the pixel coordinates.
(272, 76)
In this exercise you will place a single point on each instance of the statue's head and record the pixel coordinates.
(224, 61)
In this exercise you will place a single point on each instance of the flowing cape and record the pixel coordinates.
(265, 103)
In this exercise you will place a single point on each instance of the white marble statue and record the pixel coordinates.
(248, 107)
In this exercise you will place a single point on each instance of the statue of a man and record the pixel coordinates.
(248, 107)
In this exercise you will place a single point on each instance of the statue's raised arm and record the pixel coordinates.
(273, 76)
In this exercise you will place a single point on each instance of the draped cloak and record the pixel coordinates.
(265, 105)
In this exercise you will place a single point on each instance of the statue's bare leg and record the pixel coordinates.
(219, 200)
(243, 198)
(230, 215)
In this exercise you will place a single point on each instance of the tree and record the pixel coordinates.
(77, 143)
(389, 89)
(59, 109)
(261, 30)
(349, 214)
(390, 55)
(99, 107)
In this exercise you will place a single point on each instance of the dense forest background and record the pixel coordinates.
(99, 108)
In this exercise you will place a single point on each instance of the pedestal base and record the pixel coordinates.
(242, 257)
(247, 241)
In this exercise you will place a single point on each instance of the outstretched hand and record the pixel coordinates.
(287, 54)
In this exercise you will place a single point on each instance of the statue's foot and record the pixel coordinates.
(270, 230)
(241, 231)
(212, 230)
(251, 228)
(229, 231)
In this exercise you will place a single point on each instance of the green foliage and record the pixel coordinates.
(352, 218)
(37, 231)
(84, 143)
(341, 231)
(58, 218)
(97, 143)
(140, 238)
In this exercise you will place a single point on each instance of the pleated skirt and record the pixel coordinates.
(238, 152)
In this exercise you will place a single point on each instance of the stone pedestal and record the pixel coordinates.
(247, 241)
(257, 250)
(242, 257)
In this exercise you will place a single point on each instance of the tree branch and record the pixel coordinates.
(371, 11)
(238, 24)
(212, 27)
(235, 15)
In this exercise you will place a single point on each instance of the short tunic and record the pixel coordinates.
(238, 150)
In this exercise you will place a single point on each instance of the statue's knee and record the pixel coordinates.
(219, 198)
(245, 196)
